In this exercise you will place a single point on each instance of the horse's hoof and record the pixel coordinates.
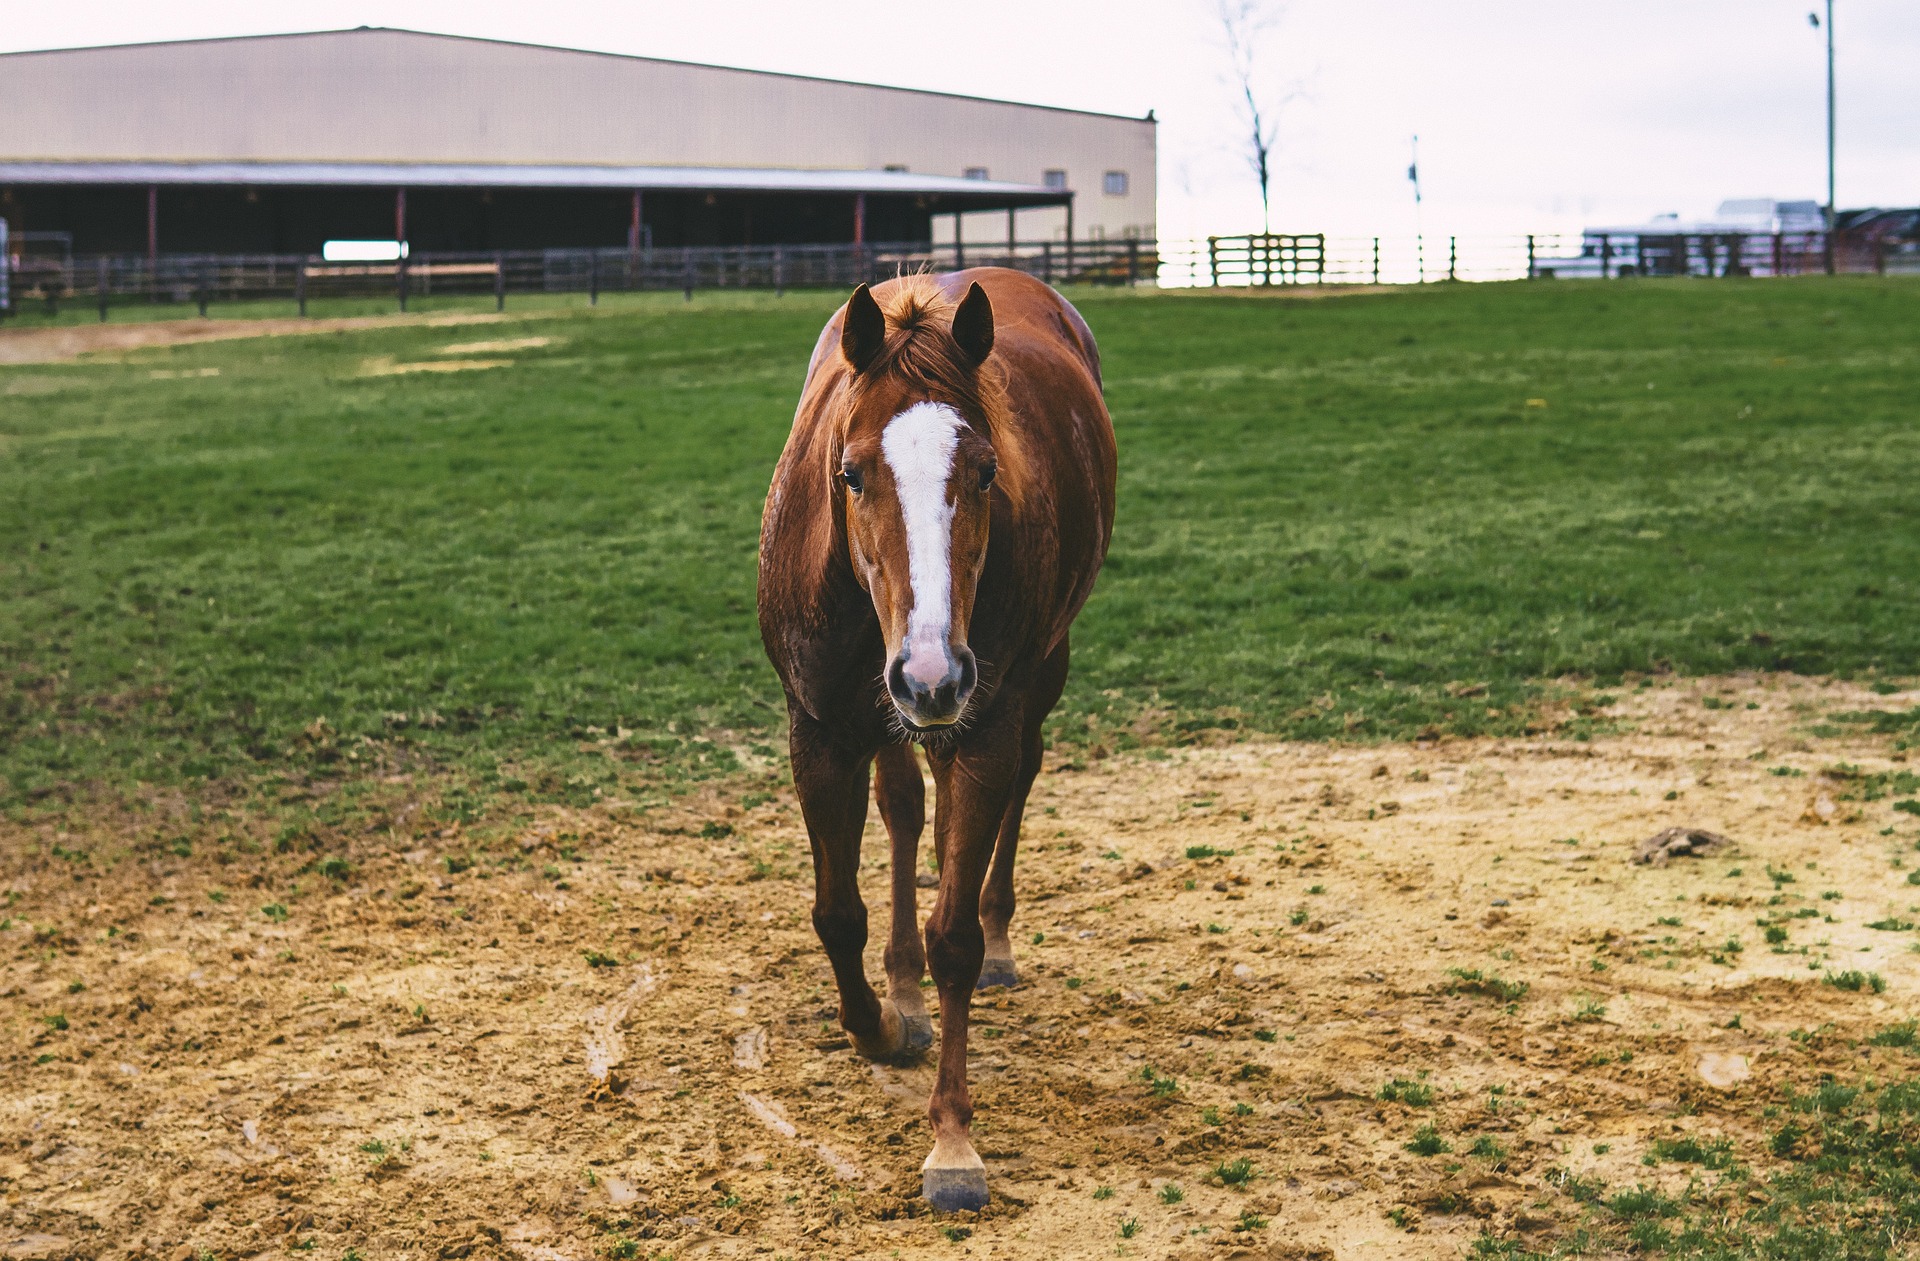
(996, 972)
(955, 1190)
(900, 1036)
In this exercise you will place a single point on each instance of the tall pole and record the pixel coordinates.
(1832, 206)
(1419, 233)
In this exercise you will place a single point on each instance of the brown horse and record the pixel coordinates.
(936, 521)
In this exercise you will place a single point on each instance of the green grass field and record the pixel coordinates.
(1336, 517)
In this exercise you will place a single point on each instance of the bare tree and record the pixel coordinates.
(1243, 25)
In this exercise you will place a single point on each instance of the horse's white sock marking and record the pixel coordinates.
(918, 445)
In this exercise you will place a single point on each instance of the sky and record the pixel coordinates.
(1532, 115)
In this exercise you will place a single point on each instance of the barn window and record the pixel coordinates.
(1116, 184)
(976, 172)
(895, 166)
(1054, 179)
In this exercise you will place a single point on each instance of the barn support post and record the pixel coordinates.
(1012, 238)
(959, 244)
(153, 242)
(400, 246)
(633, 227)
(1069, 242)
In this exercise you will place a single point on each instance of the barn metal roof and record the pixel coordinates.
(486, 175)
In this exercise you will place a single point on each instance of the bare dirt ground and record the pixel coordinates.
(58, 345)
(612, 1036)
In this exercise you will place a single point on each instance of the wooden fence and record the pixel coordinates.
(106, 280)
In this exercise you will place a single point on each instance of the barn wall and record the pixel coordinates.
(391, 96)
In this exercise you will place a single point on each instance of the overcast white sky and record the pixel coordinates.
(1533, 115)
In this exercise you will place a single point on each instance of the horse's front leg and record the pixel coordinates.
(903, 807)
(831, 782)
(973, 787)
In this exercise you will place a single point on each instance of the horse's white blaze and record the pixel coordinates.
(918, 445)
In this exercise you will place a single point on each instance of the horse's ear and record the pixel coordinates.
(973, 325)
(864, 331)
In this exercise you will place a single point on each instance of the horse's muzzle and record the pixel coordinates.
(930, 690)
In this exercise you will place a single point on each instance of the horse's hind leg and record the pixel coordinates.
(903, 808)
(996, 900)
(831, 783)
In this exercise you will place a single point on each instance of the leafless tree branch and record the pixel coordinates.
(1243, 26)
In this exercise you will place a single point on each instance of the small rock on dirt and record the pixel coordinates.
(750, 1049)
(1723, 1070)
(1679, 843)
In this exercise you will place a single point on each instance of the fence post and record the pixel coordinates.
(779, 271)
(100, 282)
(1779, 260)
(687, 277)
(1606, 257)
(1530, 256)
(400, 281)
(1046, 261)
(1376, 260)
(1213, 261)
(206, 282)
(300, 287)
(593, 277)
(500, 281)
(1453, 256)
(1133, 261)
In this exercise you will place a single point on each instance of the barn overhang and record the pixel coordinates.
(243, 206)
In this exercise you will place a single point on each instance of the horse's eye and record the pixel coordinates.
(851, 476)
(986, 475)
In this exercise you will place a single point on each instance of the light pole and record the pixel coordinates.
(1832, 207)
(1419, 234)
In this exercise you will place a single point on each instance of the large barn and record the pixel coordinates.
(276, 144)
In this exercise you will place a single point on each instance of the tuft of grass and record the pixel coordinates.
(275, 911)
(1488, 1147)
(1854, 981)
(1905, 1034)
(1474, 981)
(1415, 1094)
(1162, 1087)
(1712, 1154)
(1103, 1193)
(1427, 1142)
(1237, 1172)
(1129, 1228)
(1589, 1010)
(599, 959)
(1172, 1193)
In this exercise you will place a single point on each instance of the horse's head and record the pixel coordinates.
(917, 466)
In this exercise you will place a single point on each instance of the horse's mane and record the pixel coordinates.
(921, 354)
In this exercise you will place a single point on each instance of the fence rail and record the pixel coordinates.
(103, 280)
(1222, 261)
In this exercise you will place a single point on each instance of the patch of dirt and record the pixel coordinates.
(57, 345)
(612, 1034)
